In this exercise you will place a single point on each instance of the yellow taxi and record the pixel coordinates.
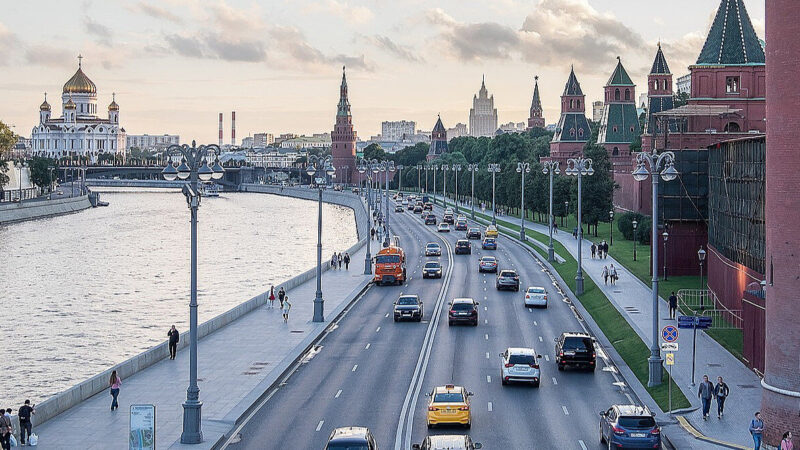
(449, 404)
(491, 231)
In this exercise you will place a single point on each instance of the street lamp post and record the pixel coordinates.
(50, 174)
(611, 226)
(194, 167)
(579, 167)
(435, 168)
(566, 213)
(400, 168)
(472, 168)
(427, 167)
(635, 224)
(551, 168)
(445, 168)
(665, 234)
(456, 169)
(701, 255)
(365, 169)
(493, 169)
(650, 164)
(522, 168)
(319, 169)
(419, 177)
(21, 164)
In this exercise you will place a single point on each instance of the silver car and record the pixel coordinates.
(518, 364)
(433, 249)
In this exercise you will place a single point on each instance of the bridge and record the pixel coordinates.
(234, 176)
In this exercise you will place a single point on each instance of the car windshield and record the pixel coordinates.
(346, 446)
(536, 290)
(489, 240)
(407, 301)
(462, 306)
(448, 397)
(637, 422)
(488, 259)
(508, 273)
(577, 343)
(432, 265)
(387, 259)
(521, 359)
(462, 243)
(433, 246)
(473, 230)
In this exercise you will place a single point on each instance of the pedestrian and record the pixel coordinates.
(604, 251)
(333, 261)
(594, 249)
(721, 392)
(605, 275)
(339, 260)
(372, 233)
(575, 233)
(756, 430)
(271, 296)
(673, 305)
(281, 295)
(25, 426)
(786, 441)
(706, 392)
(5, 431)
(174, 337)
(286, 307)
(346, 261)
(612, 273)
(555, 227)
(115, 381)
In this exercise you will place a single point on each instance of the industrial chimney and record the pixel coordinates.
(233, 127)
(220, 129)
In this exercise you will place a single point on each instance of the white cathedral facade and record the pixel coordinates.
(79, 131)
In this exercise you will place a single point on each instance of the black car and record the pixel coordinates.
(430, 219)
(432, 269)
(463, 310)
(575, 349)
(474, 233)
(507, 279)
(408, 307)
(351, 438)
(463, 246)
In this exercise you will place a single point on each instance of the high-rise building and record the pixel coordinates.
(536, 119)
(573, 130)
(457, 131)
(343, 138)
(438, 140)
(597, 111)
(156, 142)
(398, 130)
(261, 140)
(483, 114)
(620, 123)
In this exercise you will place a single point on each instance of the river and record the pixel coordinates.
(82, 292)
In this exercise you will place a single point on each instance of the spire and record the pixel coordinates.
(620, 76)
(572, 87)
(344, 104)
(536, 103)
(731, 39)
(660, 66)
(80, 60)
(483, 93)
(439, 127)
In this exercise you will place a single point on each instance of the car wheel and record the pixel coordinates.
(536, 384)
(475, 324)
(609, 444)
(602, 438)
(430, 425)
(468, 425)
(560, 367)
(594, 366)
(395, 319)
(449, 323)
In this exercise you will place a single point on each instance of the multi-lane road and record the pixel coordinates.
(371, 371)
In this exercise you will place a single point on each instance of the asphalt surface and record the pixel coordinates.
(373, 372)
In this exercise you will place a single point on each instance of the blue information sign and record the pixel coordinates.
(669, 333)
(698, 322)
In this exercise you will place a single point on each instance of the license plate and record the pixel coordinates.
(406, 313)
(523, 369)
(639, 435)
(463, 314)
(449, 411)
(569, 353)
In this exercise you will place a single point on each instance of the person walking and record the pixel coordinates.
(604, 251)
(673, 305)
(605, 275)
(786, 441)
(594, 249)
(339, 260)
(286, 307)
(25, 425)
(721, 392)
(372, 233)
(333, 261)
(5, 431)
(575, 233)
(281, 295)
(706, 392)
(757, 430)
(555, 227)
(174, 338)
(271, 296)
(346, 261)
(612, 273)
(115, 382)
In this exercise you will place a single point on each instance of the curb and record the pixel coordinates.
(684, 423)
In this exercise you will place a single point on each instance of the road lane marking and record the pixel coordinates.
(530, 310)
(485, 308)
(555, 381)
(490, 406)
(367, 347)
(319, 425)
(485, 321)
(583, 446)
(387, 315)
(355, 367)
(486, 336)
(535, 323)
(378, 329)
(566, 413)
(488, 378)
(540, 339)
(547, 358)
(487, 355)
(338, 394)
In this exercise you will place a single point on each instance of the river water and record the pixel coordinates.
(82, 292)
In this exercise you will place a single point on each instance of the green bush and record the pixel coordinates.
(625, 226)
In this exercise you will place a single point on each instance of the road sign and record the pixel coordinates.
(669, 346)
(669, 333)
(696, 322)
(670, 359)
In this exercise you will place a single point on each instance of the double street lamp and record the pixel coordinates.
(665, 235)
(194, 167)
(472, 168)
(551, 168)
(579, 167)
(434, 167)
(445, 168)
(650, 164)
(701, 255)
(385, 167)
(456, 168)
(419, 177)
(522, 168)
(365, 168)
(319, 169)
(635, 224)
(400, 168)
(494, 168)
(21, 164)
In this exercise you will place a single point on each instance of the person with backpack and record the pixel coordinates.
(612, 273)
(25, 425)
(757, 430)
(5, 432)
(281, 295)
(721, 392)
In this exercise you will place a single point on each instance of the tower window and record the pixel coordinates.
(578, 103)
(615, 128)
(615, 151)
(616, 94)
(572, 131)
(732, 85)
(627, 94)
(580, 132)
(571, 103)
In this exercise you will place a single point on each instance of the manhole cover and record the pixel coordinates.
(259, 363)
(249, 373)
(747, 386)
(714, 365)
(297, 331)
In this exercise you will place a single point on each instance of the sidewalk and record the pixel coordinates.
(633, 300)
(236, 364)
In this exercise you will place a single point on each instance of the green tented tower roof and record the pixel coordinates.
(731, 39)
(620, 76)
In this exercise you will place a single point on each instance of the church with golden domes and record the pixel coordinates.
(79, 131)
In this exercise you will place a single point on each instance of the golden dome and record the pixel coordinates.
(45, 106)
(113, 106)
(70, 104)
(80, 83)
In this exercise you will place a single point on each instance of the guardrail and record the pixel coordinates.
(706, 303)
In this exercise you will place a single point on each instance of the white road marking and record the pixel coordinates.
(355, 367)
(367, 347)
(536, 323)
(540, 339)
(486, 336)
(566, 413)
(378, 329)
(530, 310)
(485, 297)
(547, 358)
(485, 321)
(490, 406)
(338, 393)
(387, 315)
(555, 381)
(487, 355)
(319, 425)
(488, 378)
(485, 308)
(583, 446)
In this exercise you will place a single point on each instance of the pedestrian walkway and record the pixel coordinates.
(236, 364)
(633, 299)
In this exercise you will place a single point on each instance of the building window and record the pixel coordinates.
(571, 105)
(572, 131)
(578, 103)
(616, 94)
(580, 132)
(615, 151)
(615, 128)
(732, 127)
(732, 85)
(627, 94)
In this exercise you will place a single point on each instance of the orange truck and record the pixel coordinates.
(390, 266)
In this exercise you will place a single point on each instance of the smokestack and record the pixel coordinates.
(233, 127)
(220, 129)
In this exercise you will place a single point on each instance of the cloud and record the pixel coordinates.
(49, 56)
(188, 46)
(232, 49)
(155, 11)
(387, 44)
(683, 52)
(7, 43)
(231, 21)
(291, 44)
(344, 10)
(103, 34)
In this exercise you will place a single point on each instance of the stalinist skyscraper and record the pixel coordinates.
(483, 115)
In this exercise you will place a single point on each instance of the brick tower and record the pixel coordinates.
(659, 89)
(536, 119)
(438, 140)
(573, 130)
(343, 138)
(781, 394)
(620, 123)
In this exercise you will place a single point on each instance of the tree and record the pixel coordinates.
(374, 151)
(598, 189)
(7, 141)
(40, 170)
(680, 99)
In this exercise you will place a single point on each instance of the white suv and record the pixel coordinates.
(520, 364)
(536, 296)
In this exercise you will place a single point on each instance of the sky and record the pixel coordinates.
(176, 64)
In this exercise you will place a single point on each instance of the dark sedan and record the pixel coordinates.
(432, 269)
(507, 279)
(408, 307)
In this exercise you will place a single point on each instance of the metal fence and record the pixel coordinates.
(705, 303)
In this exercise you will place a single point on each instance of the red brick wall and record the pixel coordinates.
(728, 279)
(782, 368)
